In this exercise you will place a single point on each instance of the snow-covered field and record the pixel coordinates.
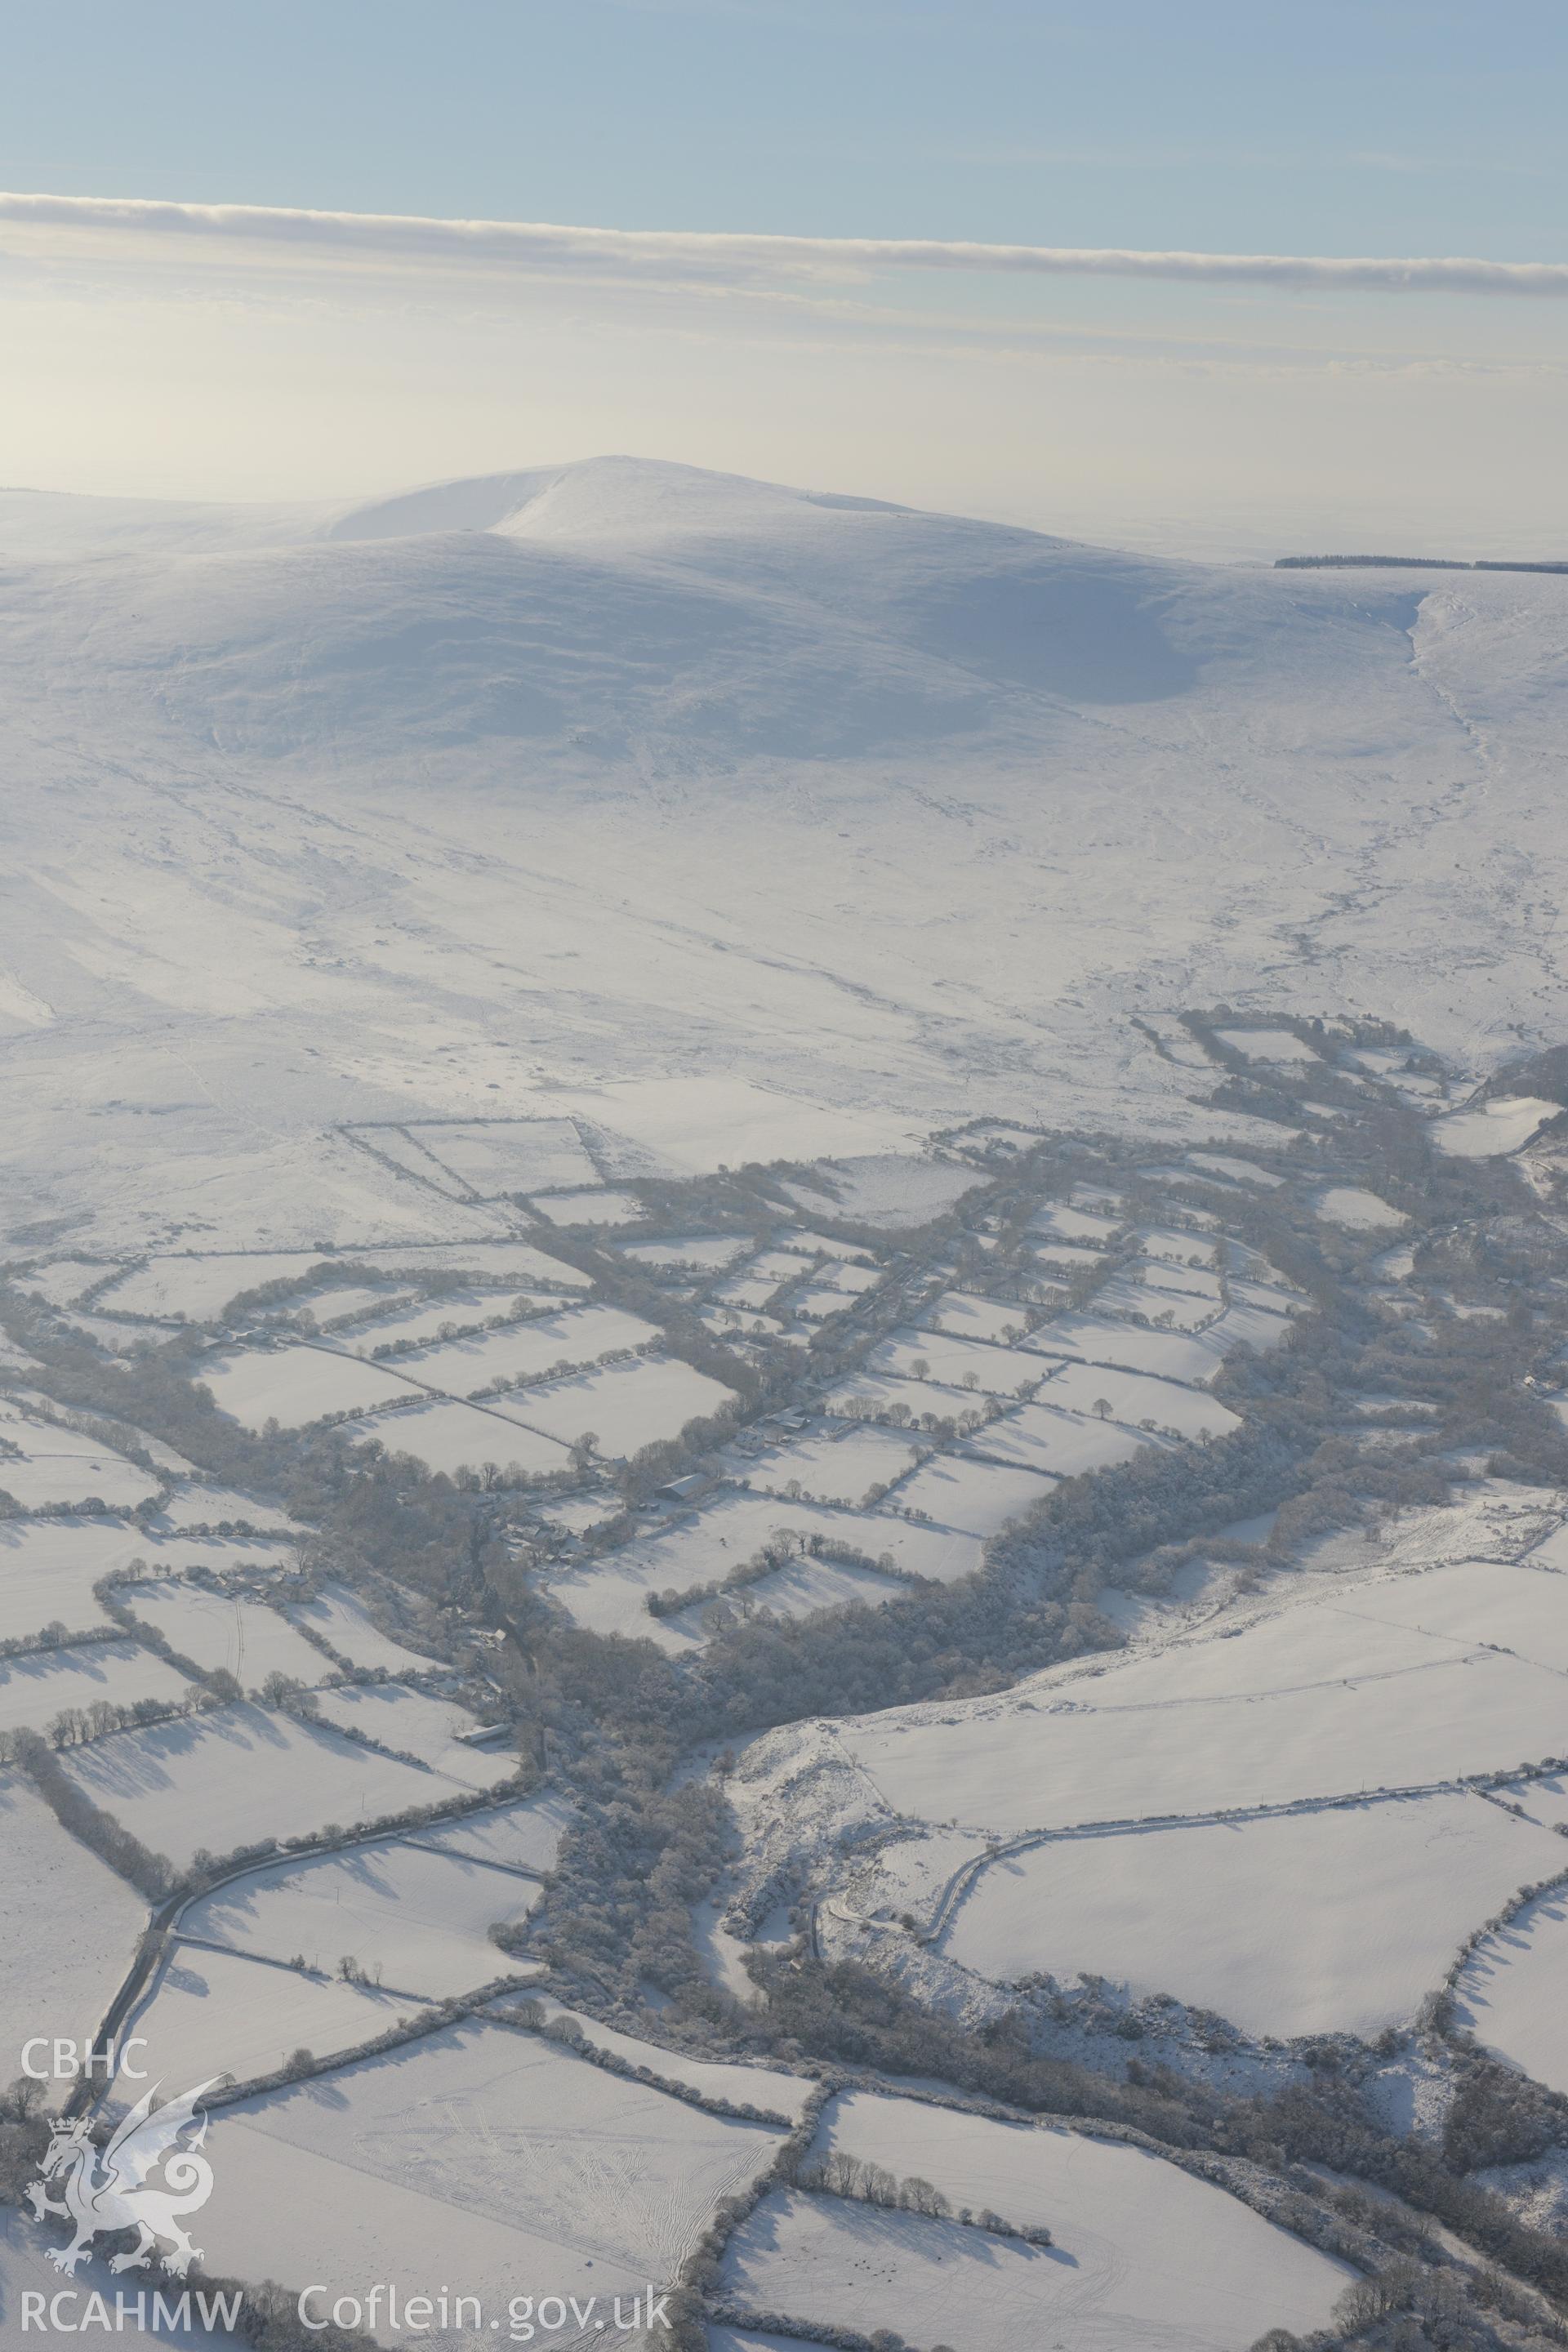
(747, 1292)
(48, 1567)
(212, 2013)
(1087, 1229)
(884, 1190)
(1318, 1701)
(1240, 1172)
(818, 1302)
(197, 1504)
(965, 1318)
(342, 1621)
(608, 1594)
(1507, 1605)
(706, 1253)
(961, 1491)
(41, 1462)
(199, 1289)
(68, 1927)
(506, 1155)
(954, 1363)
(884, 1396)
(1064, 1445)
(763, 2088)
(843, 1273)
(490, 2160)
(47, 1571)
(1143, 2259)
(63, 1282)
(523, 1836)
(1482, 1129)
(625, 1406)
(242, 1775)
(422, 1320)
(598, 1208)
(1509, 1992)
(524, 1351)
(834, 1464)
(1058, 1259)
(504, 1261)
(612, 1597)
(1158, 2247)
(245, 1638)
(1160, 1818)
(41, 1684)
(293, 1385)
(1268, 1045)
(1357, 1210)
(800, 1589)
(1180, 1309)
(1137, 1397)
(415, 1920)
(331, 1303)
(413, 1723)
(447, 1435)
(1339, 1920)
(1093, 1339)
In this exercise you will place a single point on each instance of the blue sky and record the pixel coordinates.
(1371, 127)
(1214, 417)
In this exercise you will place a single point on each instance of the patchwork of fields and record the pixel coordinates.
(1273, 1784)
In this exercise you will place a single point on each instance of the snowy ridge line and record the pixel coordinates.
(1471, 1653)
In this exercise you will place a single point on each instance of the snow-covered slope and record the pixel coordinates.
(61, 523)
(503, 791)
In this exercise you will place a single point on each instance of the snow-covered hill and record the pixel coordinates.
(509, 789)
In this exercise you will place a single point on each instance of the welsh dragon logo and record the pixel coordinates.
(144, 2180)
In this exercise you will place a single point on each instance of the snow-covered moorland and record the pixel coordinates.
(1010, 742)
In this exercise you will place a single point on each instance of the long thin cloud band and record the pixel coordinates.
(535, 245)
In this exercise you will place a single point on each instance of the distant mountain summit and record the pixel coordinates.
(615, 498)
